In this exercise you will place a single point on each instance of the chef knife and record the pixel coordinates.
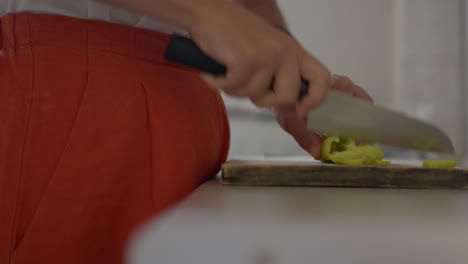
(338, 114)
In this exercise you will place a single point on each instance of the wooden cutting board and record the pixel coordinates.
(287, 173)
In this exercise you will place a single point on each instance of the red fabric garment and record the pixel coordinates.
(97, 133)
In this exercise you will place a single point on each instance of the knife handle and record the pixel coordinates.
(184, 51)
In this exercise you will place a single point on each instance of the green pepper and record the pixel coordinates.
(346, 157)
(369, 150)
(344, 151)
(439, 164)
(326, 148)
(383, 162)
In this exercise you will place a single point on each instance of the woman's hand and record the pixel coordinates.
(296, 124)
(257, 55)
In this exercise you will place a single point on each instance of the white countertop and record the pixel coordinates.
(269, 225)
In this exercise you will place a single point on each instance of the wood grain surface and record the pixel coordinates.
(264, 173)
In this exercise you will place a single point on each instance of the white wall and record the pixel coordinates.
(354, 38)
(430, 64)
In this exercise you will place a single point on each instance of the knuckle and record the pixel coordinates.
(287, 49)
(249, 54)
(277, 48)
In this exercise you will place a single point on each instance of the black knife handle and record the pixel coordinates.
(184, 51)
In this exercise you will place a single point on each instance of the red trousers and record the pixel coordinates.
(97, 133)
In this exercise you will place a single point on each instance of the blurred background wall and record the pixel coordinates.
(408, 54)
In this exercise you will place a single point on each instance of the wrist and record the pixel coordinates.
(267, 9)
(181, 13)
(197, 12)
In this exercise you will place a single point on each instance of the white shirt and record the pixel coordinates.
(88, 9)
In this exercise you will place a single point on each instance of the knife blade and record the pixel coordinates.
(343, 116)
(338, 114)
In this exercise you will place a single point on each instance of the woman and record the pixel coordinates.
(98, 132)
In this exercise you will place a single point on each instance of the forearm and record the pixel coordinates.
(185, 13)
(182, 13)
(268, 9)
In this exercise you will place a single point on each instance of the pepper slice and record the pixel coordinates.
(326, 149)
(344, 151)
(383, 162)
(347, 157)
(439, 164)
(334, 144)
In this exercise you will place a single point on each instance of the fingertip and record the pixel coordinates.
(344, 84)
(315, 149)
(310, 142)
(315, 153)
(362, 94)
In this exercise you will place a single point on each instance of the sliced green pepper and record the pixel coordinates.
(346, 157)
(345, 152)
(369, 150)
(383, 162)
(326, 148)
(439, 164)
